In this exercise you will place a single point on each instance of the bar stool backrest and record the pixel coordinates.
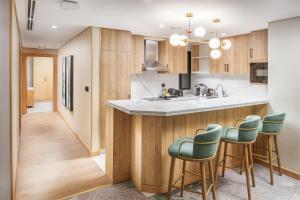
(248, 129)
(273, 123)
(207, 143)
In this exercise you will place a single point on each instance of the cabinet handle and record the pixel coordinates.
(251, 53)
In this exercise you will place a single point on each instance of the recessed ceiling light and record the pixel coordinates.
(223, 34)
(161, 26)
(54, 27)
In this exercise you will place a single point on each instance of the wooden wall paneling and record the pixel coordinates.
(23, 85)
(151, 150)
(167, 138)
(191, 127)
(211, 117)
(195, 57)
(201, 120)
(136, 154)
(118, 125)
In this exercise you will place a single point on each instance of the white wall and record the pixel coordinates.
(79, 119)
(149, 84)
(5, 120)
(284, 87)
(84, 119)
(29, 71)
(15, 94)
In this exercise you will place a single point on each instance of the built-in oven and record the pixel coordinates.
(259, 72)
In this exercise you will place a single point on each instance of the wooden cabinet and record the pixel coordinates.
(233, 60)
(174, 57)
(258, 46)
(115, 40)
(195, 58)
(137, 54)
(115, 68)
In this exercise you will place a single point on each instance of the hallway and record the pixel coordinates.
(52, 162)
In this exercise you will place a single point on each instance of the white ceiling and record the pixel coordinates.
(145, 16)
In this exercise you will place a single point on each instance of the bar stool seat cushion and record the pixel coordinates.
(232, 135)
(186, 149)
(271, 124)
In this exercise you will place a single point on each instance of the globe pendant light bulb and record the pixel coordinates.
(174, 40)
(226, 44)
(214, 43)
(199, 31)
(215, 53)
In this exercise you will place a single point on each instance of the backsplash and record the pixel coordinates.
(149, 83)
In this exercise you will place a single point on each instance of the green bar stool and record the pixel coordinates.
(270, 127)
(202, 148)
(245, 134)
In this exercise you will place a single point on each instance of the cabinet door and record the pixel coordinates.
(241, 65)
(258, 46)
(115, 40)
(176, 59)
(195, 58)
(227, 57)
(137, 54)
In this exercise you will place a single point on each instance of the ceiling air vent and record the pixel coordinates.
(30, 14)
(69, 5)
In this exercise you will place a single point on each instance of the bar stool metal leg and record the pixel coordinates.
(247, 170)
(251, 164)
(217, 163)
(211, 174)
(203, 180)
(270, 158)
(225, 157)
(171, 177)
(277, 154)
(182, 178)
(242, 163)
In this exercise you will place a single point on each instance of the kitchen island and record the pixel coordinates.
(139, 132)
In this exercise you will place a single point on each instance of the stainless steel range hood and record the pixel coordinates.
(151, 61)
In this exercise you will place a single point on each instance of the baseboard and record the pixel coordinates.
(76, 135)
(285, 171)
(95, 153)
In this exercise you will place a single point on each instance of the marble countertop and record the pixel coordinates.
(183, 105)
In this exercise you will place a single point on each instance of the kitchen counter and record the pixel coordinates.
(182, 105)
(138, 133)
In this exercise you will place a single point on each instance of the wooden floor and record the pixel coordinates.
(52, 162)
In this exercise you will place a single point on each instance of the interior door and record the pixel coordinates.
(43, 78)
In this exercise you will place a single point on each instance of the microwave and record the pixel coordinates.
(259, 72)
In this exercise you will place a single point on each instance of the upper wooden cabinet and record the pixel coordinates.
(195, 58)
(173, 57)
(233, 60)
(258, 46)
(137, 54)
(115, 40)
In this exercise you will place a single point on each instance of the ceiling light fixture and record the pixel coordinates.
(54, 27)
(69, 5)
(161, 26)
(214, 43)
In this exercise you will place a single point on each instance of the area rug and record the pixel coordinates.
(231, 187)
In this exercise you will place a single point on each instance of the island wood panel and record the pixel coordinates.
(149, 141)
(118, 136)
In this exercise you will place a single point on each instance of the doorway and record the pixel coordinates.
(39, 84)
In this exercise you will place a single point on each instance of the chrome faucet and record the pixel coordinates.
(223, 92)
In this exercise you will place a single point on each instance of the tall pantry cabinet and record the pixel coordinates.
(115, 64)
